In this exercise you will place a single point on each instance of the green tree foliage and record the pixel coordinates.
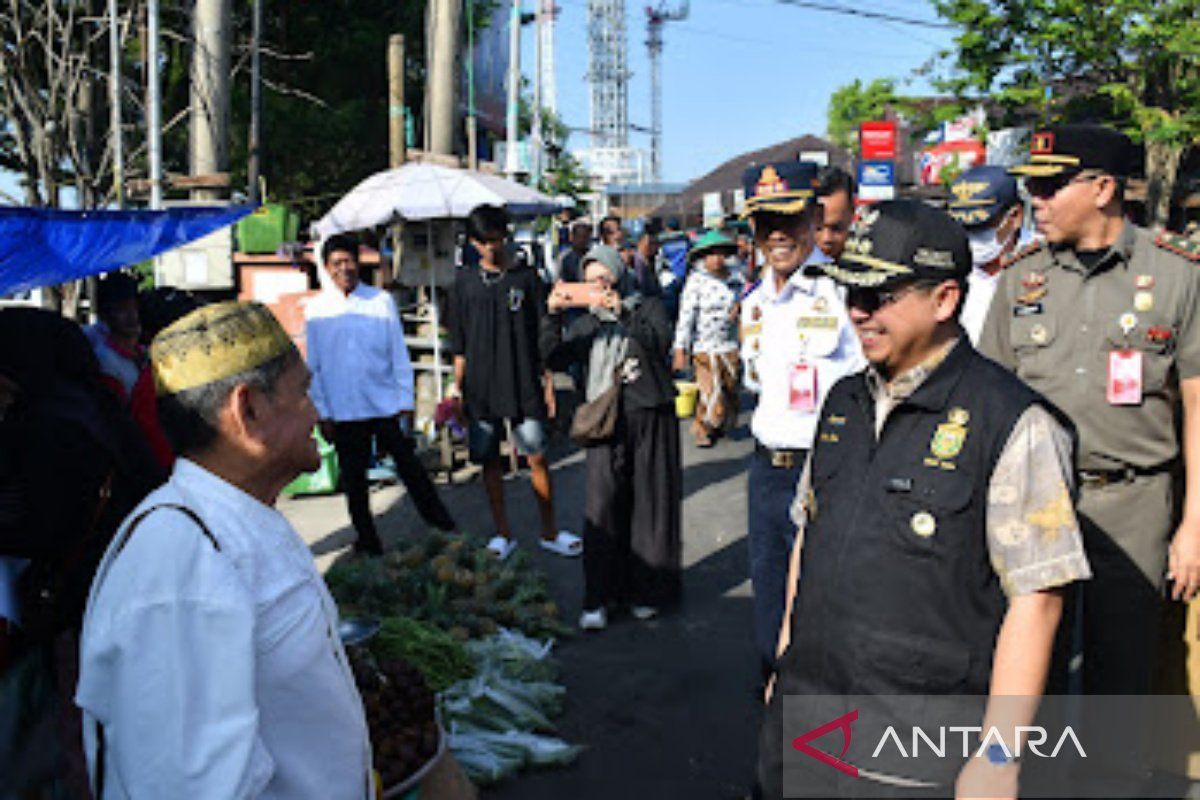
(325, 94)
(1131, 63)
(854, 104)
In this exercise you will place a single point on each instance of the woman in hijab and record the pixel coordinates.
(631, 539)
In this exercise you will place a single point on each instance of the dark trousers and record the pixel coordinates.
(769, 496)
(631, 534)
(353, 443)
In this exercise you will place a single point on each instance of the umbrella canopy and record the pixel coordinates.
(43, 247)
(428, 191)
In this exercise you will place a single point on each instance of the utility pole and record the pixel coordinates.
(442, 61)
(511, 163)
(655, 19)
(153, 107)
(210, 92)
(536, 138)
(254, 150)
(114, 103)
(472, 122)
(397, 146)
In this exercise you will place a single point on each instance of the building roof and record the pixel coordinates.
(728, 176)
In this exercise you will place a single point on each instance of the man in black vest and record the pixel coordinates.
(936, 522)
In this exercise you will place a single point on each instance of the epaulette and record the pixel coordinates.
(1025, 252)
(1179, 245)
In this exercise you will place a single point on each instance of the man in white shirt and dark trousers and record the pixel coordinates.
(796, 343)
(362, 387)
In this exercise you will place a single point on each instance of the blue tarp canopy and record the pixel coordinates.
(44, 247)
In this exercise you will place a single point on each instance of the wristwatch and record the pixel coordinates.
(998, 756)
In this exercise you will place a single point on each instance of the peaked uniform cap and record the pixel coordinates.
(784, 187)
(1073, 148)
(901, 240)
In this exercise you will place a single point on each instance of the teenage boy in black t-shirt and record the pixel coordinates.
(495, 312)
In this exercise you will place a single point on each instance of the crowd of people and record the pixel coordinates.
(975, 467)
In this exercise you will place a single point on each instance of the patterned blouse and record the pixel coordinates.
(707, 320)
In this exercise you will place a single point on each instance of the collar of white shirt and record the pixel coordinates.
(798, 282)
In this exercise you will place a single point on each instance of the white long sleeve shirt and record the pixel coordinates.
(357, 354)
(805, 322)
(218, 674)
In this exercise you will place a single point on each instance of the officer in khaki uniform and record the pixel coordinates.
(1100, 319)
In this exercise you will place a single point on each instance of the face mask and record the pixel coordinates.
(985, 247)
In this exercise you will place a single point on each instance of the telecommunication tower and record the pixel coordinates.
(656, 17)
(608, 73)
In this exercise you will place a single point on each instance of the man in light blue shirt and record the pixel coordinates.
(362, 386)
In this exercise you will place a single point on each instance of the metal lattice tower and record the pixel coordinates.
(548, 70)
(608, 73)
(655, 19)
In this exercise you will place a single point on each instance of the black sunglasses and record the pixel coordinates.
(1046, 187)
(871, 300)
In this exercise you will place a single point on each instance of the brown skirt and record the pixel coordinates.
(717, 405)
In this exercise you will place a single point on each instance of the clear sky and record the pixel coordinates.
(742, 74)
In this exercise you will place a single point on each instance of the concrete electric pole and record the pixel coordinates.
(442, 60)
(210, 92)
(655, 19)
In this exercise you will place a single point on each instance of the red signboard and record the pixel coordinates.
(878, 141)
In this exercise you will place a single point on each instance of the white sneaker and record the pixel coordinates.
(644, 613)
(595, 620)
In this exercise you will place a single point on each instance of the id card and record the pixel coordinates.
(1124, 378)
(802, 388)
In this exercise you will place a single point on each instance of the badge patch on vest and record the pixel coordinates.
(949, 438)
(516, 297)
(923, 524)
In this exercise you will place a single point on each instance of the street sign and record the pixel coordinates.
(877, 180)
(877, 141)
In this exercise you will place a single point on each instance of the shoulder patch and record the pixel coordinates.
(1025, 252)
(1179, 245)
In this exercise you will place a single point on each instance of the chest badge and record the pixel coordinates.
(1128, 322)
(1031, 296)
(950, 436)
(1143, 301)
(820, 305)
(756, 313)
(923, 524)
(516, 298)
(1033, 280)
(1144, 282)
(1039, 334)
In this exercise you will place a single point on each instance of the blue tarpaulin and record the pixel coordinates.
(44, 247)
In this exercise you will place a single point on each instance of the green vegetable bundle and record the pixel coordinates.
(440, 658)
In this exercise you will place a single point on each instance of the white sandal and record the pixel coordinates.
(564, 544)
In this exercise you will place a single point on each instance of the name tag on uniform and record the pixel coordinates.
(802, 388)
(1124, 378)
(1027, 310)
(823, 322)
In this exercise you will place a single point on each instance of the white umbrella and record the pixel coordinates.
(428, 191)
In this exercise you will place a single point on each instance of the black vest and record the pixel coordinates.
(897, 594)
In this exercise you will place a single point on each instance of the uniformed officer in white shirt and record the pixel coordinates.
(797, 342)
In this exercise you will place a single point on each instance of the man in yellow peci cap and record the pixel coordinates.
(210, 664)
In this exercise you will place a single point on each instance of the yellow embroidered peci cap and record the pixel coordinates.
(215, 342)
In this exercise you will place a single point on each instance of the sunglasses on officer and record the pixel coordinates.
(870, 300)
(1046, 187)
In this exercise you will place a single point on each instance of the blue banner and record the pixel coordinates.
(45, 247)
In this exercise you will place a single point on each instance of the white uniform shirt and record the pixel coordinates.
(218, 674)
(980, 288)
(356, 351)
(805, 323)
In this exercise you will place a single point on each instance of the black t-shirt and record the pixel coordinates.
(494, 321)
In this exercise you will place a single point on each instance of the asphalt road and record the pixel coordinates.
(666, 708)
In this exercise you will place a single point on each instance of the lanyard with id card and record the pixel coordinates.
(1124, 384)
(802, 387)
